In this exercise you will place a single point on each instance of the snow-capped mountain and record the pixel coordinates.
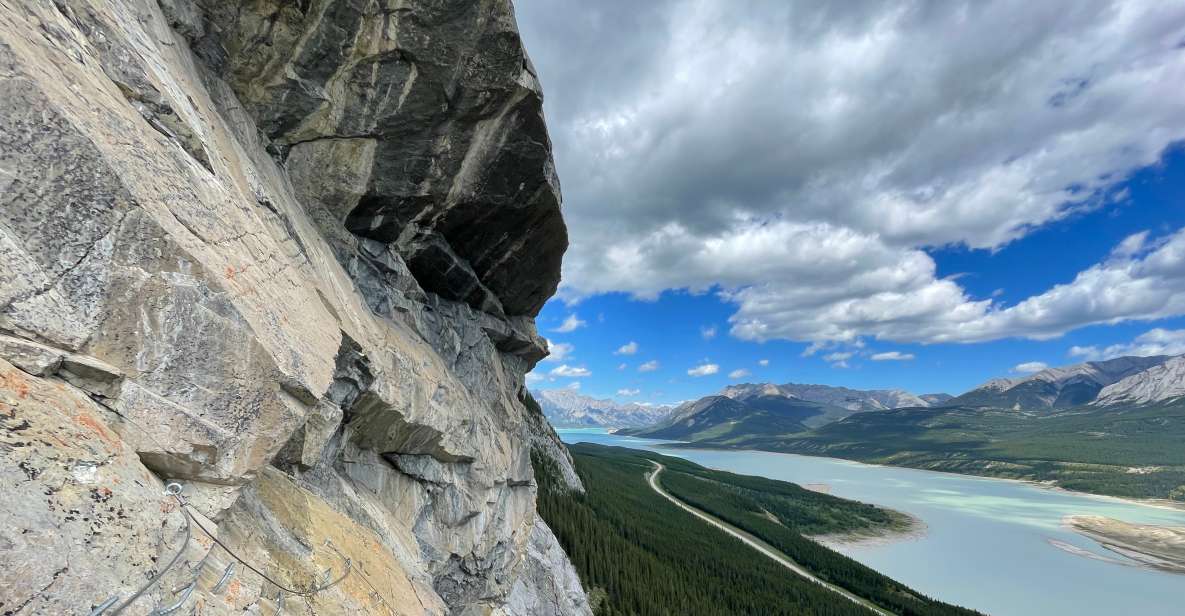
(1076, 385)
(566, 408)
(1161, 382)
(842, 397)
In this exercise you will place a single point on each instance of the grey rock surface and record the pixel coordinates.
(286, 254)
(1159, 383)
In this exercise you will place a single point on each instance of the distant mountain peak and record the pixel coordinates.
(1163, 381)
(842, 397)
(718, 417)
(1079, 384)
(570, 408)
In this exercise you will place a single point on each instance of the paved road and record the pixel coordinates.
(756, 544)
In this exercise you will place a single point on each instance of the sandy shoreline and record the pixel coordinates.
(1156, 547)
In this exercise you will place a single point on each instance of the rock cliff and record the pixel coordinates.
(286, 254)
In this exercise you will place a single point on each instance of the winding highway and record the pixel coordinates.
(756, 543)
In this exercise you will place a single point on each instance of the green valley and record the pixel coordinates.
(638, 553)
(1131, 453)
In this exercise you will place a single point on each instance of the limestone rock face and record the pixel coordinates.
(418, 125)
(287, 255)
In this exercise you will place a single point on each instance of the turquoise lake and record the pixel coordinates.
(989, 544)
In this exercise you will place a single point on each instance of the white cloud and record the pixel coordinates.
(848, 138)
(813, 348)
(531, 377)
(739, 373)
(763, 362)
(570, 324)
(567, 371)
(704, 370)
(627, 349)
(559, 351)
(649, 366)
(1030, 367)
(1148, 283)
(838, 356)
(892, 356)
(622, 366)
(627, 393)
(707, 332)
(1156, 341)
(574, 385)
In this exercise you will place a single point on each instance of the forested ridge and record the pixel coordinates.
(1089, 450)
(638, 554)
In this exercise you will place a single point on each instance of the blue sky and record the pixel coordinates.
(671, 329)
(875, 195)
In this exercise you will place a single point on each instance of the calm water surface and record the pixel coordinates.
(987, 541)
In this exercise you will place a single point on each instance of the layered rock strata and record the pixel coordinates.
(287, 255)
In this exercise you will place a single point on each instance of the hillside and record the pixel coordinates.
(639, 554)
(740, 411)
(1133, 453)
(718, 418)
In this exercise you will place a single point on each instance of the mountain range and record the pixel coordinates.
(765, 409)
(566, 408)
(842, 397)
(812, 405)
(714, 417)
(1083, 427)
(1114, 381)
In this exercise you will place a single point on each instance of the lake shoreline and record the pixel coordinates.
(1158, 503)
(915, 530)
(907, 527)
(1152, 546)
(985, 533)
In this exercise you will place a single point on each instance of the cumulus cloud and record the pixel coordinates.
(704, 370)
(649, 366)
(570, 324)
(1030, 367)
(574, 385)
(531, 377)
(1141, 283)
(628, 393)
(800, 157)
(707, 332)
(559, 351)
(763, 362)
(627, 349)
(567, 371)
(838, 356)
(1152, 342)
(739, 373)
(892, 356)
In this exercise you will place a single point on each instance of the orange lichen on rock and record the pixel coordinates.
(15, 381)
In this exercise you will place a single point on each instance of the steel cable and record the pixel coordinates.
(174, 490)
